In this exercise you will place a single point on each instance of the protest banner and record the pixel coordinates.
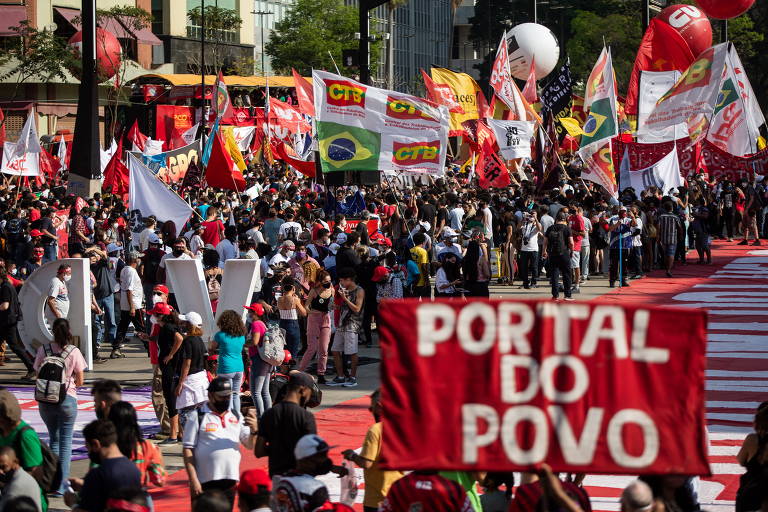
(506, 385)
(171, 166)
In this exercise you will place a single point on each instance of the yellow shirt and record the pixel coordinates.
(377, 481)
(421, 258)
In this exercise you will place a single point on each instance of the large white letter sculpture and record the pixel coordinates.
(33, 329)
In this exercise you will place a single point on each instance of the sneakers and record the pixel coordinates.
(743, 242)
(116, 354)
(100, 360)
(569, 299)
(321, 379)
(168, 442)
(351, 382)
(576, 289)
(30, 376)
(756, 242)
(338, 381)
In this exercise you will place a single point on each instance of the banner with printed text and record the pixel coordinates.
(363, 128)
(171, 166)
(584, 387)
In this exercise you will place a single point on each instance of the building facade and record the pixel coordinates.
(464, 53)
(267, 14)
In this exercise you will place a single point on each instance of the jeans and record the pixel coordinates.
(529, 264)
(560, 264)
(107, 304)
(237, 382)
(292, 336)
(60, 421)
(613, 269)
(259, 385)
(50, 253)
(584, 261)
(10, 334)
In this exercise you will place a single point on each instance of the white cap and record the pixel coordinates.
(309, 445)
(425, 225)
(193, 318)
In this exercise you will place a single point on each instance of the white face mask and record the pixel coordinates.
(67, 277)
(115, 225)
(152, 320)
(289, 254)
(156, 299)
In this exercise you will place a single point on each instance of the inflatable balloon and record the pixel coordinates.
(691, 23)
(725, 10)
(108, 54)
(528, 41)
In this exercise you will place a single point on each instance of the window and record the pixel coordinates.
(225, 36)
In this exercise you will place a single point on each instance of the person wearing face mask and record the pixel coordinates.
(178, 251)
(377, 480)
(15, 481)
(318, 304)
(285, 253)
(159, 296)
(304, 268)
(212, 447)
(285, 423)
(112, 470)
(58, 294)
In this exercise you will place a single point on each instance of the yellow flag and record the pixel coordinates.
(466, 92)
(234, 151)
(761, 143)
(571, 125)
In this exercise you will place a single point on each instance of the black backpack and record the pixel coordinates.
(556, 240)
(50, 475)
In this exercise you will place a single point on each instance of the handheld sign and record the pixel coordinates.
(506, 385)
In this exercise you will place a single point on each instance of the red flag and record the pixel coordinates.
(441, 94)
(116, 174)
(491, 171)
(307, 168)
(177, 140)
(285, 116)
(662, 49)
(304, 93)
(529, 91)
(134, 135)
(221, 171)
(479, 136)
(49, 166)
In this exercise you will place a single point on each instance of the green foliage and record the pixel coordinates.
(311, 32)
(621, 32)
(216, 19)
(36, 54)
(753, 47)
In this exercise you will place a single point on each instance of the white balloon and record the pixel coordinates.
(528, 41)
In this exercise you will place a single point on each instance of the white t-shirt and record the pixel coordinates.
(531, 232)
(289, 231)
(170, 256)
(130, 280)
(255, 235)
(546, 222)
(487, 221)
(144, 239)
(59, 291)
(456, 217)
(196, 246)
(216, 443)
(588, 230)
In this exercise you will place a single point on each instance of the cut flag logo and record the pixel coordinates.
(441, 94)
(379, 130)
(598, 161)
(349, 149)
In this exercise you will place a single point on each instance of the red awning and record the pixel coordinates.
(11, 16)
(145, 35)
(117, 28)
(69, 15)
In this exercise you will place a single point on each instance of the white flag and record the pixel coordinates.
(514, 137)
(243, 136)
(189, 134)
(28, 140)
(149, 196)
(664, 174)
(22, 158)
(62, 154)
(653, 85)
(624, 167)
(106, 156)
(153, 147)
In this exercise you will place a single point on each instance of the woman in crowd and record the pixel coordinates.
(60, 417)
(130, 440)
(448, 277)
(260, 370)
(477, 269)
(192, 386)
(169, 340)
(229, 343)
(753, 455)
(318, 304)
(290, 307)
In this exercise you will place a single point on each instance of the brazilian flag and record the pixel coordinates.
(726, 97)
(346, 148)
(601, 123)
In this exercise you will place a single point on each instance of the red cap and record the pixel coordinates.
(379, 274)
(385, 241)
(254, 481)
(161, 308)
(256, 307)
(272, 190)
(288, 356)
(35, 232)
(161, 288)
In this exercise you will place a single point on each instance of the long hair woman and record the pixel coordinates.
(229, 343)
(318, 305)
(60, 417)
(753, 455)
(477, 269)
(132, 444)
(169, 341)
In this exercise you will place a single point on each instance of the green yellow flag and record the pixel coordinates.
(346, 148)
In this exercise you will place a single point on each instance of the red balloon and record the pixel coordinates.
(691, 23)
(108, 54)
(725, 9)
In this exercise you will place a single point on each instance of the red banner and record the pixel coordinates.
(506, 385)
(170, 118)
(60, 219)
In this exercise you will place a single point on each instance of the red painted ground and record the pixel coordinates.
(731, 397)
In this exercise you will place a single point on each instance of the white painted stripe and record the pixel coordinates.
(739, 355)
(745, 277)
(724, 450)
(725, 433)
(722, 286)
(738, 374)
(748, 345)
(722, 468)
(739, 337)
(734, 326)
(758, 252)
(746, 418)
(713, 404)
(710, 305)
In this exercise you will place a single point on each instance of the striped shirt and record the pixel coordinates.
(669, 228)
(528, 497)
(426, 492)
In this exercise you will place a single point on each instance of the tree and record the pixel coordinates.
(38, 54)
(218, 23)
(312, 32)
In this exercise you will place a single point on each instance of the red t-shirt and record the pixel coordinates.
(34, 214)
(154, 350)
(212, 233)
(431, 491)
(576, 223)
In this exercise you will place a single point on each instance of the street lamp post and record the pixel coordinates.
(261, 15)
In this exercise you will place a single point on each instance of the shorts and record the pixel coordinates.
(575, 259)
(670, 249)
(345, 342)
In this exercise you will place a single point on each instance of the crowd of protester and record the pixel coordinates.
(327, 259)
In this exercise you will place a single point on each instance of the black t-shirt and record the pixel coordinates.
(193, 349)
(282, 426)
(557, 243)
(165, 341)
(346, 258)
(110, 476)
(8, 294)
(427, 212)
(46, 223)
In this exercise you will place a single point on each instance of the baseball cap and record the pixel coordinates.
(220, 386)
(194, 318)
(289, 243)
(35, 233)
(309, 445)
(153, 238)
(385, 241)
(9, 406)
(341, 238)
(256, 308)
(379, 273)
(161, 288)
(161, 308)
(254, 481)
(113, 247)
